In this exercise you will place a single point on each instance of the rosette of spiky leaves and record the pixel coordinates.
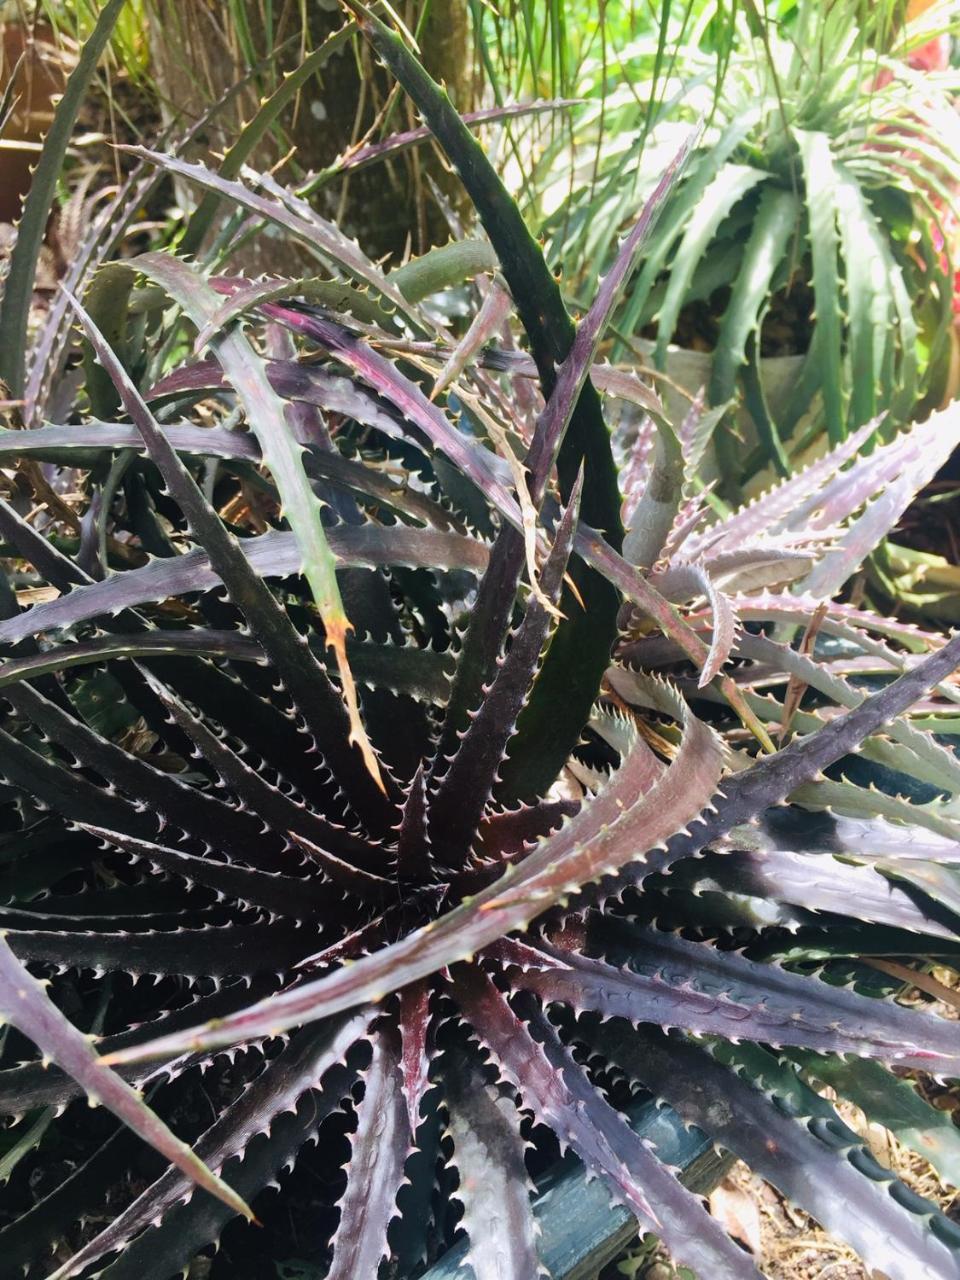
(825, 154)
(216, 888)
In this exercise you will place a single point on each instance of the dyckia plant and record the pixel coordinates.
(433, 912)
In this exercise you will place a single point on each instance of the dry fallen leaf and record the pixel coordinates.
(737, 1213)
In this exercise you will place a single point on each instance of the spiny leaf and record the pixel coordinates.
(253, 132)
(773, 778)
(415, 1026)
(442, 267)
(284, 895)
(612, 830)
(814, 1165)
(784, 503)
(492, 314)
(556, 1089)
(896, 1104)
(171, 799)
(265, 413)
(309, 684)
(210, 951)
(494, 1184)
(317, 232)
(939, 765)
(575, 369)
(275, 554)
(380, 1145)
(922, 451)
(821, 182)
(270, 802)
(674, 983)
(25, 1002)
(815, 882)
(464, 789)
(311, 1058)
(373, 152)
(19, 281)
(197, 643)
(561, 700)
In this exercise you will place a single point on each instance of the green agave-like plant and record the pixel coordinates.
(522, 868)
(826, 163)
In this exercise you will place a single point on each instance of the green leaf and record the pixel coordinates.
(773, 226)
(869, 297)
(821, 179)
(107, 301)
(24, 1142)
(701, 170)
(731, 184)
(266, 413)
(18, 285)
(895, 1104)
(443, 267)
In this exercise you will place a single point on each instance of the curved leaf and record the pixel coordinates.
(558, 1092)
(494, 1184)
(275, 554)
(816, 1164)
(25, 1003)
(380, 1148)
(674, 983)
(315, 1056)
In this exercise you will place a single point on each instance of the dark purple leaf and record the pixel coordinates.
(693, 986)
(414, 861)
(465, 787)
(25, 1003)
(284, 895)
(373, 152)
(415, 1022)
(560, 1095)
(798, 1144)
(195, 642)
(380, 1148)
(272, 554)
(494, 1184)
(621, 824)
(218, 951)
(167, 798)
(313, 1057)
(269, 802)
